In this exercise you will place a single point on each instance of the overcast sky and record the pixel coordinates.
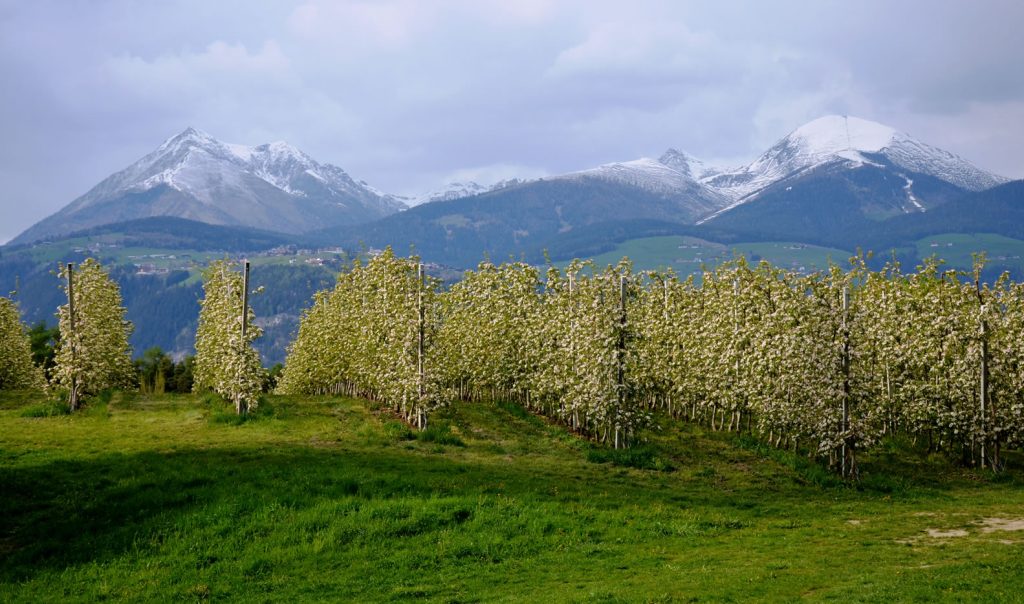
(410, 94)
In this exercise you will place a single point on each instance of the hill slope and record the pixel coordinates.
(999, 210)
(834, 182)
(522, 219)
(326, 499)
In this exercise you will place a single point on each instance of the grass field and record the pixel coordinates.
(107, 249)
(686, 255)
(957, 249)
(683, 254)
(328, 499)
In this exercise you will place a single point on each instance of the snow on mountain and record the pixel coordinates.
(670, 176)
(193, 175)
(845, 141)
(459, 189)
(710, 191)
(192, 160)
(278, 187)
(916, 156)
(448, 192)
(687, 164)
(853, 141)
(645, 173)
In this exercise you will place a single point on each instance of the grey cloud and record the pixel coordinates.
(403, 93)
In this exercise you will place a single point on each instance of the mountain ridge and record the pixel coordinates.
(880, 171)
(192, 175)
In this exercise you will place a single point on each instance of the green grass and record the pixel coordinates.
(685, 255)
(162, 498)
(957, 249)
(110, 251)
(107, 249)
(795, 256)
(682, 254)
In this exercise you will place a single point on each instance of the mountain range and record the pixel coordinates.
(855, 169)
(835, 182)
(829, 187)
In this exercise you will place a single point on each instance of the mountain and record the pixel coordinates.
(274, 187)
(673, 176)
(448, 192)
(833, 182)
(169, 233)
(826, 178)
(457, 190)
(835, 145)
(515, 220)
(999, 211)
(837, 182)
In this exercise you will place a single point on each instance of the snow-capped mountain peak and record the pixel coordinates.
(673, 172)
(273, 186)
(646, 173)
(834, 134)
(187, 162)
(826, 139)
(671, 177)
(188, 135)
(855, 141)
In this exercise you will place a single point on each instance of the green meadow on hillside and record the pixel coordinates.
(174, 498)
(686, 255)
(958, 249)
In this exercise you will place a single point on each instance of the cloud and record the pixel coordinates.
(361, 26)
(405, 94)
(219, 68)
(647, 49)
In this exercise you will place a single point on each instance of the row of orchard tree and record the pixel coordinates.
(830, 362)
(93, 354)
(838, 360)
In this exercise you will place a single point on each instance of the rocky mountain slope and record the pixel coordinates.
(192, 175)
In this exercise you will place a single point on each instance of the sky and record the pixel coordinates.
(409, 94)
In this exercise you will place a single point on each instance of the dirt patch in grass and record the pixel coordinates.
(991, 525)
(945, 533)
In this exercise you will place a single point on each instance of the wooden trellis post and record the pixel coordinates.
(621, 355)
(239, 405)
(849, 463)
(73, 396)
(984, 392)
(421, 420)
